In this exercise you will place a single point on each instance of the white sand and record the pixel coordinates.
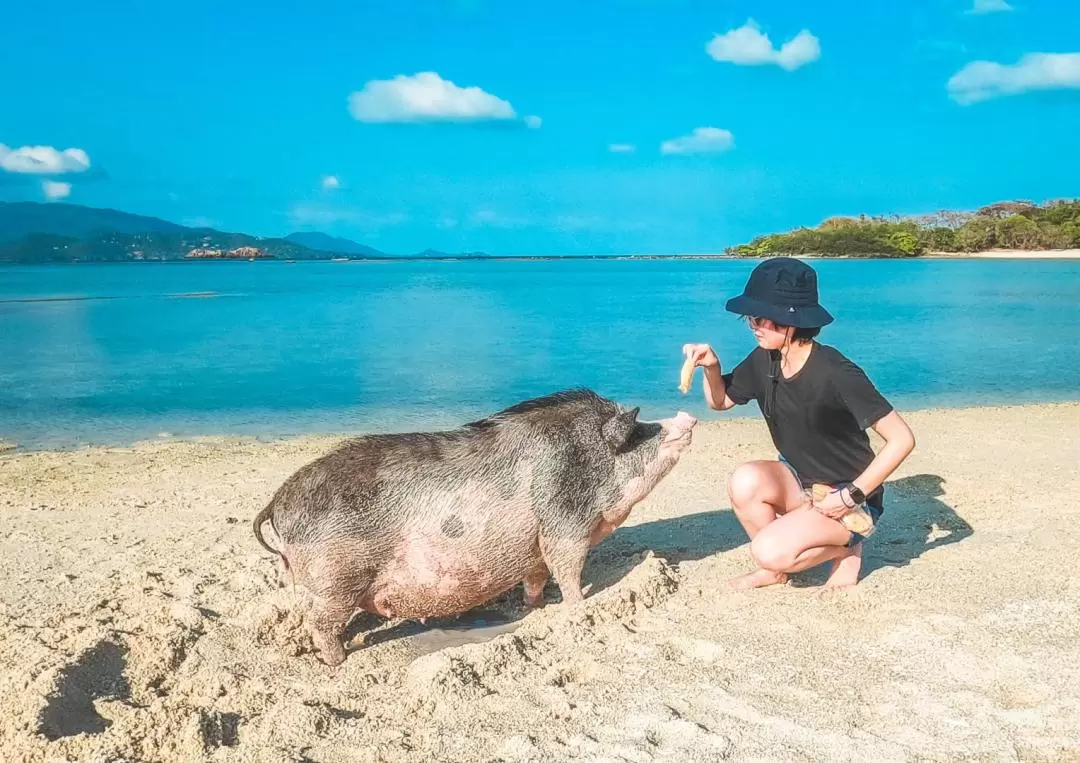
(140, 621)
(1012, 254)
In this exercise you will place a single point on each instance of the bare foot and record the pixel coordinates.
(845, 569)
(757, 579)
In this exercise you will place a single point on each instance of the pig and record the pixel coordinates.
(420, 525)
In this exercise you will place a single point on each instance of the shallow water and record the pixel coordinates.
(117, 353)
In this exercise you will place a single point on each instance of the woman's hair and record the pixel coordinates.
(805, 335)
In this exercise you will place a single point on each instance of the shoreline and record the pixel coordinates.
(1006, 254)
(11, 446)
(999, 254)
(139, 619)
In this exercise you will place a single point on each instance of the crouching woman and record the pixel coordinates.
(817, 405)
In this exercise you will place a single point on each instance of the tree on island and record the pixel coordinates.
(1019, 225)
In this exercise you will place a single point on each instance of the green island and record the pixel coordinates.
(1015, 225)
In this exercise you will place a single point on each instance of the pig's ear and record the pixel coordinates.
(617, 429)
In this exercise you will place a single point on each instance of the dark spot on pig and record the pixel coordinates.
(453, 527)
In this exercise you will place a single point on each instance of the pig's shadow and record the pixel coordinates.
(916, 521)
(678, 539)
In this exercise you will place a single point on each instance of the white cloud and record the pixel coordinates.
(427, 97)
(983, 80)
(43, 160)
(749, 46)
(989, 6)
(314, 213)
(622, 148)
(490, 218)
(702, 140)
(533, 122)
(575, 223)
(54, 190)
(331, 182)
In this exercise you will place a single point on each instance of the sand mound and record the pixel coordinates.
(139, 621)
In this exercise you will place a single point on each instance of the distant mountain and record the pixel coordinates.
(189, 244)
(326, 243)
(19, 219)
(32, 233)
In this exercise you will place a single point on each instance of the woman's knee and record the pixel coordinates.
(770, 553)
(746, 484)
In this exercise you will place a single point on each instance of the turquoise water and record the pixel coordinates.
(118, 353)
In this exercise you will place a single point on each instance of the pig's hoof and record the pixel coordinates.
(330, 651)
(535, 602)
(332, 660)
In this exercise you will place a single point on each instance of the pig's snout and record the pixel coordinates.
(684, 421)
(678, 428)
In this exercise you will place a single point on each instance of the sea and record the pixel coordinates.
(116, 353)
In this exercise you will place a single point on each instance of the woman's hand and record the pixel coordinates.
(832, 505)
(701, 354)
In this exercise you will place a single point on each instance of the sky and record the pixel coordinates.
(555, 127)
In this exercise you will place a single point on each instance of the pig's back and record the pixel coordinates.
(393, 485)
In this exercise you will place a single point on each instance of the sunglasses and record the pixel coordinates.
(759, 323)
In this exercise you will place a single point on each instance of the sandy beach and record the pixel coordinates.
(1010, 254)
(140, 621)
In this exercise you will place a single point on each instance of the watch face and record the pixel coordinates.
(856, 494)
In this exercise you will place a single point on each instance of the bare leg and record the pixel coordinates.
(534, 583)
(845, 569)
(761, 491)
(797, 541)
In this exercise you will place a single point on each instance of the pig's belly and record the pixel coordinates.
(433, 574)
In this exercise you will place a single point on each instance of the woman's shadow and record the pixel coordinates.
(916, 520)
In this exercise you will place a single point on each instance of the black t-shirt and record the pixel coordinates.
(818, 418)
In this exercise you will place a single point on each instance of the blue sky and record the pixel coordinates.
(359, 118)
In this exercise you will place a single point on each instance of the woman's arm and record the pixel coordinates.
(899, 442)
(715, 388)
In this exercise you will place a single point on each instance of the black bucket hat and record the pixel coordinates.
(785, 291)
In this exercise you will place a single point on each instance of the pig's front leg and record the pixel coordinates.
(566, 559)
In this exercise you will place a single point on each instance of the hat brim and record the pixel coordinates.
(811, 317)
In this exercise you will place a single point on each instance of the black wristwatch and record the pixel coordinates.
(857, 495)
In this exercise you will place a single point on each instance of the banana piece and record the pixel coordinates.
(686, 378)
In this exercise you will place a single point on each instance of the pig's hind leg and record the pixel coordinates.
(339, 586)
(330, 616)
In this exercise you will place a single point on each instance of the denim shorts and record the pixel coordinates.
(875, 510)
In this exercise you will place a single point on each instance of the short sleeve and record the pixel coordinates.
(859, 395)
(742, 382)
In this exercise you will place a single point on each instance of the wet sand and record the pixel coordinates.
(140, 621)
